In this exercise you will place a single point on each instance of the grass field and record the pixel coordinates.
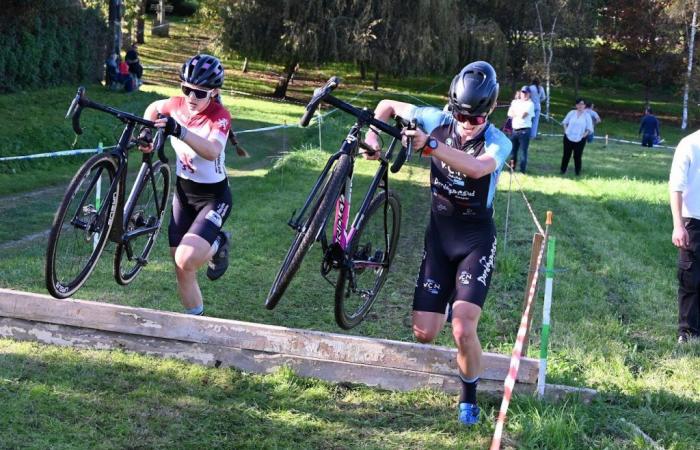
(613, 317)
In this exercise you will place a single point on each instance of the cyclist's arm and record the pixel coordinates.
(208, 148)
(473, 167)
(384, 111)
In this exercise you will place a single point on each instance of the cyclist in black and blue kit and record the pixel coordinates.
(467, 154)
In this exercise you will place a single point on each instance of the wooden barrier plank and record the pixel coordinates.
(247, 336)
(243, 359)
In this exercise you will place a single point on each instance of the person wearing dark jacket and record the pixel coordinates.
(649, 128)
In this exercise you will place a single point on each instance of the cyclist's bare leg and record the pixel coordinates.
(192, 253)
(427, 325)
(465, 319)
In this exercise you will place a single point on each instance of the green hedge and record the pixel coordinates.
(50, 42)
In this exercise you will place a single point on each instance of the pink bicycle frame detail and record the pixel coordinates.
(341, 234)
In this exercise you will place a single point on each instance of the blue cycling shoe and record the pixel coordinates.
(469, 413)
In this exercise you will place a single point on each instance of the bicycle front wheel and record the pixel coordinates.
(143, 218)
(80, 227)
(369, 256)
(310, 231)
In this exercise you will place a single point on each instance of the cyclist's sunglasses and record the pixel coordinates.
(199, 93)
(473, 120)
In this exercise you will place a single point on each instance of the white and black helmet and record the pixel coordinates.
(203, 70)
(474, 90)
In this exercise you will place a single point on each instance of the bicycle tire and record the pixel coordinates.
(59, 263)
(305, 238)
(144, 211)
(351, 304)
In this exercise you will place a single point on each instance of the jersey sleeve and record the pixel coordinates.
(220, 125)
(429, 118)
(497, 145)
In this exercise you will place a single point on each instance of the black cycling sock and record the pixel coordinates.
(468, 394)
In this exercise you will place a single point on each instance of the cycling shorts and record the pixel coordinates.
(200, 209)
(458, 262)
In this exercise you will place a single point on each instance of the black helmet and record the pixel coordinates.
(474, 90)
(203, 70)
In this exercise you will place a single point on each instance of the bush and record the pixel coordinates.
(42, 43)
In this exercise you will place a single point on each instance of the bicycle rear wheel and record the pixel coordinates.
(369, 256)
(150, 199)
(311, 227)
(80, 227)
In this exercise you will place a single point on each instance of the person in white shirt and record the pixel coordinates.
(521, 113)
(684, 187)
(577, 125)
(538, 96)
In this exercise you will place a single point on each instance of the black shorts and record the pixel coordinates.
(200, 209)
(458, 261)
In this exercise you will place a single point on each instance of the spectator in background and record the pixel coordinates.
(521, 113)
(537, 96)
(684, 187)
(113, 77)
(134, 63)
(595, 119)
(125, 75)
(649, 128)
(577, 125)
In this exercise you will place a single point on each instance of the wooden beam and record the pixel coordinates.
(537, 239)
(249, 347)
(243, 359)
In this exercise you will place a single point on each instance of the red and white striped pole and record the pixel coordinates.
(516, 356)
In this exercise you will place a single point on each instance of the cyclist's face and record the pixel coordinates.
(468, 131)
(197, 98)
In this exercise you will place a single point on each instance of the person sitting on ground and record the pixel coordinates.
(199, 126)
(113, 77)
(134, 63)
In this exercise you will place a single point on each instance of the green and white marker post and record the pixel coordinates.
(549, 281)
(98, 194)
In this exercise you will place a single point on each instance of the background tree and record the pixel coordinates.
(639, 32)
(514, 17)
(576, 41)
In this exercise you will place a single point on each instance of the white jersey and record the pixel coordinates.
(214, 121)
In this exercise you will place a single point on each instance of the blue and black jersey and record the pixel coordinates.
(453, 193)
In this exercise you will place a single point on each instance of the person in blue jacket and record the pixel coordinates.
(649, 128)
(467, 153)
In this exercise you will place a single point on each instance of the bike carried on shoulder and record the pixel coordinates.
(361, 252)
(96, 208)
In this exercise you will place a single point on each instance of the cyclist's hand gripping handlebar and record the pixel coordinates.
(405, 152)
(319, 95)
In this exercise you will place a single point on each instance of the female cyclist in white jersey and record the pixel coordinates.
(199, 126)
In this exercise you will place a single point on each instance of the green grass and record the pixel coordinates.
(613, 316)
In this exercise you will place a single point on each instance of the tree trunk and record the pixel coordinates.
(245, 66)
(115, 25)
(141, 23)
(689, 74)
(375, 85)
(283, 83)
